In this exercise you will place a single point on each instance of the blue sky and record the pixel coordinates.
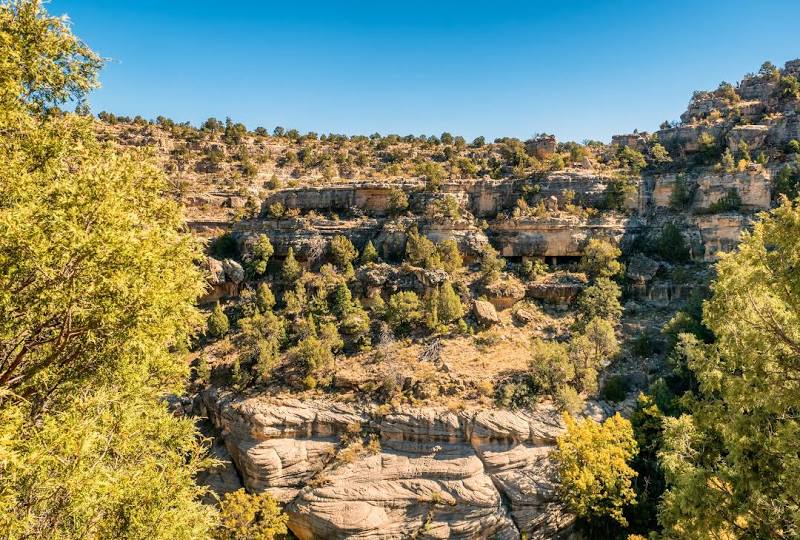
(579, 69)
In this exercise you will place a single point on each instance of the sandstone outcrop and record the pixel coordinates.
(435, 473)
(558, 289)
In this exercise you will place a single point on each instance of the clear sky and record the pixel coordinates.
(579, 69)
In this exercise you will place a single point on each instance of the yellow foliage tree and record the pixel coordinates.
(593, 465)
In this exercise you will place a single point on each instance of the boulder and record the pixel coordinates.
(504, 293)
(753, 135)
(233, 270)
(641, 269)
(485, 313)
(558, 289)
(216, 272)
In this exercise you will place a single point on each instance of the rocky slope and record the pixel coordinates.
(449, 461)
(423, 472)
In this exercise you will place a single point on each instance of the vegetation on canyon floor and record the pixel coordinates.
(98, 320)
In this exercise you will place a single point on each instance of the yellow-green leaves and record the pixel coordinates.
(96, 275)
(593, 465)
(732, 464)
(42, 63)
(245, 516)
(97, 284)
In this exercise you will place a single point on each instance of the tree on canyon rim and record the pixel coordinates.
(98, 288)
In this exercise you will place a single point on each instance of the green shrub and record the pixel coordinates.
(224, 247)
(600, 300)
(265, 300)
(550, 366)
(259, 255)
(314, 356)
(568, 400)
(398, 201)
(513, 395)
(681, 196)
(446, 207)
(631, 159)
(369, 253)
(643, 345)
(671, 245)
(404, 311)
(599, 259)
(291, 269)
(343, 252)
(450, 308)
(422, 252)
(276, 210)
(730, 202)
(615, 194)
(491, 264)
(450, 255)
(787, 180)
(245, 516)
(217, 325)
(615, 388)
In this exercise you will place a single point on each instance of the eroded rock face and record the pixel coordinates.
(436, 473)
(221, 277)
(555, 236)
(557, 289)
(504, 293)
(753, 186)
(720, 232)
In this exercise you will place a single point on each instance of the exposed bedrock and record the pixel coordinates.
(436, 473)
(558, 234)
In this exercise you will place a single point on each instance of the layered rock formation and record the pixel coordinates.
(431, 472)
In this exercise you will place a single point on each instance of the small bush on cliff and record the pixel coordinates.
(615, 194)
(315, 357)
(630, 159)
(446, 207)
(730, 202)
(787, 180)
(404, 311)
(217, 325)
(708, 148)
(259, 255)
(601, 300)
(681, 196)
(491, 264)
(291, 269)
(599, 259)
(550, 366)
(671, 245)
(264, 298)
(554, 366)
(398, 201)
(422, 252)
(343, 252)
(450, 256)
(433, 173)
(369, 253)
(450, 307)
(223, 247)
(260, 341)
(246, 516)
